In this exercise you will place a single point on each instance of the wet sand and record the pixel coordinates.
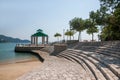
(15, 70)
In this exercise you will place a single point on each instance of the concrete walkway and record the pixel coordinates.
(54, 68)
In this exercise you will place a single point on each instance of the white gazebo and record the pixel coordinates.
(39, 33)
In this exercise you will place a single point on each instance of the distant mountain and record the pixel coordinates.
(4, 38)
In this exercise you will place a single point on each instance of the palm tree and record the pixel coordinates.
(70, 33)
(78, 25)
(57, 35)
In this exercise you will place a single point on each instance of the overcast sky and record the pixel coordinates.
(21, 18)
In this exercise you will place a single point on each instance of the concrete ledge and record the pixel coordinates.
(27, 49)
(59, 48)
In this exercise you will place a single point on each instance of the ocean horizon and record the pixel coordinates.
(8, 55)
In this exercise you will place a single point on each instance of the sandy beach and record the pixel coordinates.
(15, 70)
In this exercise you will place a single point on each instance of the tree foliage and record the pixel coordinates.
(111, 31)
(90, 24)
(111, 5)
(70, 33)
(108, 17)
(101, 16)
(78, 25)
(57, 35)
(91, 27)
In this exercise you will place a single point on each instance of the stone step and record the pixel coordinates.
(76, 60)
(98, 65)
(115, 49)
(87, 48)
(96, 70)
(111, 67)
(105, 69)
(95, 61)
(86, 68)
(108, 54)
(111, 50)
(66, 57)
(91, 66)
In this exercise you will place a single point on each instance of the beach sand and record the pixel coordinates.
(15, 70)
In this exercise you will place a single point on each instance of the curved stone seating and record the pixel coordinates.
(114, 49)
(113, 64)
(109, 72)
(88, 46)
(92, 69)
(108, 54)
(110, 50)
(93, 46)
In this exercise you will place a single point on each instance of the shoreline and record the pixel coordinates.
(11, 69)
(14, 70)
(35, 57)
(18, 61)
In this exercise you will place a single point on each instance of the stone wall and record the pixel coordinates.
(59, 48)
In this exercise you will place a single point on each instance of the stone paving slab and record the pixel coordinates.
(54, 68)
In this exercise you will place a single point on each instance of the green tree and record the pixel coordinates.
(57, 35)
(117, 17)
(78, 25)
(91, 28)
(101, 17)
(111, 31)
(70, 33)
(111, 5)
(109, 34)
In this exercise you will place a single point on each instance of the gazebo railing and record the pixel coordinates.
(31, 45)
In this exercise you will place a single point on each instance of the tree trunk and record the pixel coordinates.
(79, 36)
(92, 37)
(73, 37)
(70, 38)
(67, 38)
(58, 39)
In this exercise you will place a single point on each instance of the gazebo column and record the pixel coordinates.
(39, 33)
(47, 40)
(31, 40)
(36, 40)
(43, 40)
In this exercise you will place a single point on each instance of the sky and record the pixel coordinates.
(21, 18)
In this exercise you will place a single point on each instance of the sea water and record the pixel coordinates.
(8, 55)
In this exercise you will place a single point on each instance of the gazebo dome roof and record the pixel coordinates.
(39, 30)
(40, 33)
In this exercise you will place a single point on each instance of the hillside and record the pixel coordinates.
(4, 38)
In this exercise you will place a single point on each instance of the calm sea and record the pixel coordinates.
(7, 54)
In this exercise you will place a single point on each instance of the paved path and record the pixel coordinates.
(54, 68)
